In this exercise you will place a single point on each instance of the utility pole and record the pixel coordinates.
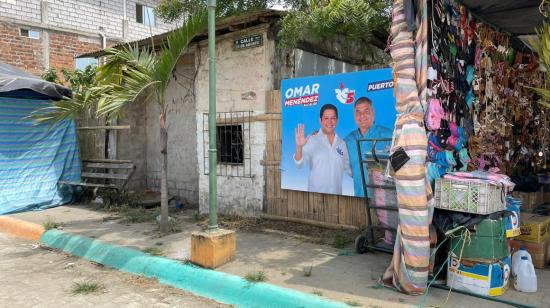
(212, 151)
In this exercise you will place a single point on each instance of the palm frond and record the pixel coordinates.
(66, 108)
(140, 73)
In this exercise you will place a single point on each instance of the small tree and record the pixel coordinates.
(128, 74)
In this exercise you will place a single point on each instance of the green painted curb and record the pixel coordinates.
(222, 287)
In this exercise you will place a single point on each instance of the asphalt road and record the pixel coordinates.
(32, 276)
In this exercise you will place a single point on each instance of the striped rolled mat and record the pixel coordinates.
(410, 265)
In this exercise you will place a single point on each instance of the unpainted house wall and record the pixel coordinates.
(238, 72)
(132, 144)
(182, 136)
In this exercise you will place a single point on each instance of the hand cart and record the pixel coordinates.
(380, 196)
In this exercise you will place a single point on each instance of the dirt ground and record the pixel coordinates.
(283, 251)
(32, 276)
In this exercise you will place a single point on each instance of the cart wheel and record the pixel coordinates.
(360, 244)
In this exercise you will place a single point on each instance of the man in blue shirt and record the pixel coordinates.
(364, 118)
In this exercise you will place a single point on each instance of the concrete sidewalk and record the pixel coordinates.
(339, 275)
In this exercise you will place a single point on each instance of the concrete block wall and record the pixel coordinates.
(131, 144)
(137, 30)
(91, 14)
(238, 72)
(23, 10)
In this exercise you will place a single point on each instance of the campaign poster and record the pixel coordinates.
(315, 154)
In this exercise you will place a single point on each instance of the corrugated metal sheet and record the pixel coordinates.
(310, 64)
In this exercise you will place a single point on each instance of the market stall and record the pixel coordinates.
(464, 76)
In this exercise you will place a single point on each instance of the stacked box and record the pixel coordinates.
(484, 278)
(534, 228)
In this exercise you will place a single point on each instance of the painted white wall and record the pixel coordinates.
(238, 72)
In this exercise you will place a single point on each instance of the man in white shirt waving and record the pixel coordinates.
(324, 152)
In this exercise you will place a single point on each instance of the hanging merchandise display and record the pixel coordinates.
(481, 113)
(484, 124)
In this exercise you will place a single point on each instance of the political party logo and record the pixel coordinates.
(340, 151)
(307, 95)
(345, 95)
(380, 85)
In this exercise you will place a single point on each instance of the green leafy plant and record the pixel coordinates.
(339, 240)
(129, 73)
(86, 287)
(114, 200)
(153, 251)
(353, 304)
(361, 24)
(317, 292)
(50, 224)
(137, 215)
(256, 277)
(174, 10)
(543, 50)
(50, 75)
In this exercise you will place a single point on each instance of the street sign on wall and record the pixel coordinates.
(248, 42)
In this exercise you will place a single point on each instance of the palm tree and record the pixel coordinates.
(128, 74)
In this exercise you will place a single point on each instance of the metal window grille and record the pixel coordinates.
(233, 143)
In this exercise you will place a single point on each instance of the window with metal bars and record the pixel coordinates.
(230, 144)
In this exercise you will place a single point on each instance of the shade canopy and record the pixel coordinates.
(18, 83)
(517, 17)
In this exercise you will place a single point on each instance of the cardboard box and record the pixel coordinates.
(524, 197)
(538, 251)
(534, 228)
(480, 278)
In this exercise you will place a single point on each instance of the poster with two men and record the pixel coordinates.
(322, 119)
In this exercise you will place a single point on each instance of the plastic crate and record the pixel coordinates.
(469, 197)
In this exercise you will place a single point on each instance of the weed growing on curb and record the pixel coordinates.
(196, 216)
(86, 287)
(339, 240)
(353, 304)
(255, 277)
(153, 251)
(137, 215)
(317, 292)
(173, 226)
(50, 224)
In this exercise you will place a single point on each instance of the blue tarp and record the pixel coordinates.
(33, 158)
